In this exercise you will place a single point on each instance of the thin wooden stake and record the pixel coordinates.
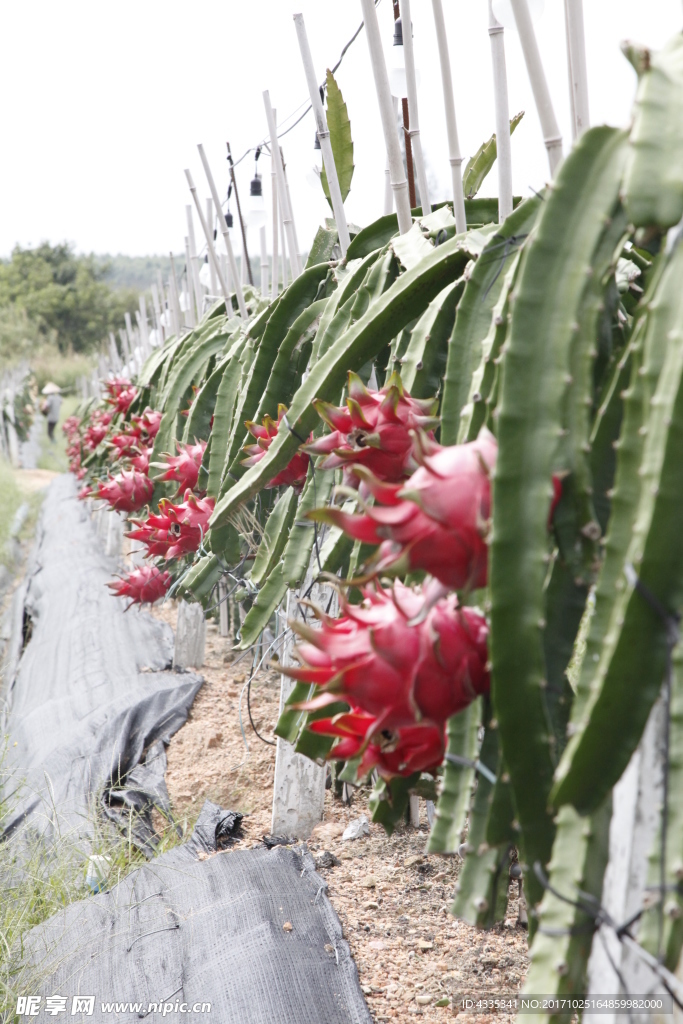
(386, 110)
(500, 90)
(455, 156)
(323, 136)
(283, 198)
(578, 73)
(235, 280)
(414, 129)
(539, 84)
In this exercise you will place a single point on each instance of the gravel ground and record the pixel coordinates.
(392, 899)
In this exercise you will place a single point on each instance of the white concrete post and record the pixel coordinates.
(578, 74)
(500, 92)
(190, 637)
(299, 785)
(455, 156)
(539, 84)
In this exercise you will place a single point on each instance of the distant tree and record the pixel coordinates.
(64, 295)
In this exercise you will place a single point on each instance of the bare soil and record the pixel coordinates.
(392, 899)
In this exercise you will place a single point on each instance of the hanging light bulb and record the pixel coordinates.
(256, 210)
(313, 176)
(502, 10)
(397, 75)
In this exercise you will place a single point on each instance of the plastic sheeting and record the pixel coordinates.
(89, 694)
(191, 928)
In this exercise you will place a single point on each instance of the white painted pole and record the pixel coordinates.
(399, 183)
(283, 203)
(414, 130)
(144, 336)
(578, 73)
(190, 318)
(500, 91)
(114, 353)
(213, 262)
(165, 331)
(126, 349)
(235, 280)
(243, 265)
(454, 154)
(539, 84)
(208, 235)
(175, 298)
(388, 192)
(264, 262)
(323, 136)
(194, 259)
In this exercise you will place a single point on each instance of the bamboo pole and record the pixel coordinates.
(283, 203)
(323, 133)
(264, 263)
(406, 127)
(455, 156)
(500, 90)
(414, 129)
(386, 109)
(243, 229)
(208, 235)
(275, 227)
(578, 73)
(194, 262)
(213, 262)
(235, 281)
(539, 84)
(388, 193)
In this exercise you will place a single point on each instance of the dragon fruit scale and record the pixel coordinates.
(373, 430)
(175, 530)
(395, 657)
(437, 521)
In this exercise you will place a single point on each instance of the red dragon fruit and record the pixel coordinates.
(144, 586)
(126, 445)
(97, 431)
(140, 460)
(149, 422)
(71, 427)
(177, 529)
(437, 521)
(412, 748)
(294, 473)
(183, 467)
(126, 492)
(393, 661)
(373, 430)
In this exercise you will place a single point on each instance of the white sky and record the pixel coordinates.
(104, 103)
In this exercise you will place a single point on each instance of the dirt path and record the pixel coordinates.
(392, 899)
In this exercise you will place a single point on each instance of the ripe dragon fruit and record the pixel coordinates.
(71, 427)
(126, 492)
(294, 473)
(97, 431)
(140, 460)
(126, 445)
(373, 431)
(148, 423)
(177, 529)
(121, 394)
(144, 586)
(437, 521)
(183, 467)
(386, 658)
(412, 748)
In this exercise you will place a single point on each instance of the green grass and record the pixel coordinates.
(45, 885)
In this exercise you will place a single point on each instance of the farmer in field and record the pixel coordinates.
(50, 407)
